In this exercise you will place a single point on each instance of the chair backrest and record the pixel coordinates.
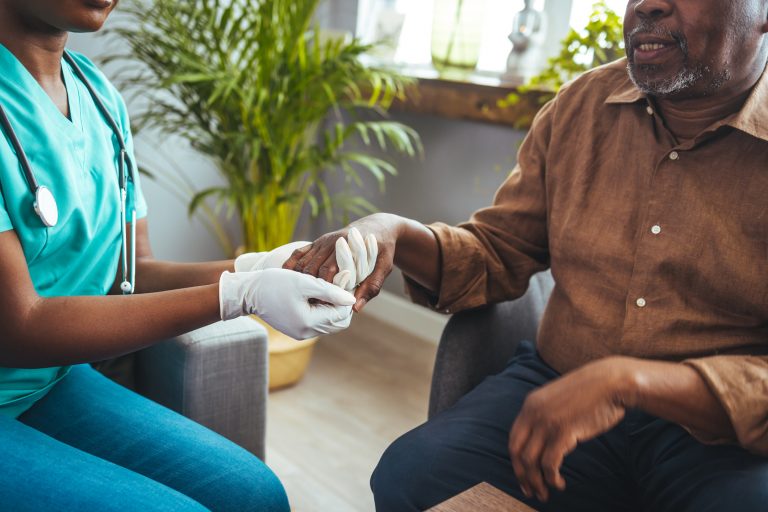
(480, 342)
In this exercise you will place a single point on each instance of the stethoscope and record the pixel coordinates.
(45, 203)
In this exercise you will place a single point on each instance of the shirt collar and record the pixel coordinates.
(751, 119)
(625, 92)
(753, 116)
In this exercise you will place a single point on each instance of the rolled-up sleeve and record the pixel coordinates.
(492, 257)
(740, 383)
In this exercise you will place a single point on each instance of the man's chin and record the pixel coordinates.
(653, 80)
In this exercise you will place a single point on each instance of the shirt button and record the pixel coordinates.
(641, 302)
(674, 155)
(649, 110)
(656, 229)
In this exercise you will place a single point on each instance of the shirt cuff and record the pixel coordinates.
(740, 383)
(462, 276)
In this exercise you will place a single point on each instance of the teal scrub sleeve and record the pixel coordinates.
(5, 219)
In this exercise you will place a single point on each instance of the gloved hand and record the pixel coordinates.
(356, 259)
(253, 261)
(282, 299)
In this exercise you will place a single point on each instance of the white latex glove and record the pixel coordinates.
(356, 259)
(281, 298)
(253, 261)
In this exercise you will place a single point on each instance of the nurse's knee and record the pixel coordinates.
(245, 484)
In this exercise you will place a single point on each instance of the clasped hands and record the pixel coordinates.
(298, 304)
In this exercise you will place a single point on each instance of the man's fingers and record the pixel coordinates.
(553, 457)
(530, 458)
(552, 461)
(518, 436)
(329, 269)
(311, 261)
(371, 287)
(293, 259)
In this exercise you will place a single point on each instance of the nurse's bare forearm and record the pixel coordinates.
(67, 330)
(158, 276)
(154, 275)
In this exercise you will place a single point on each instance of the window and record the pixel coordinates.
(413, 46)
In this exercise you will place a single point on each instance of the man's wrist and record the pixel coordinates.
(394, 224)
(626, 379)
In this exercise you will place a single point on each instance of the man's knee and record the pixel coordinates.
(745, 491)
(399, 482)
(743, 488)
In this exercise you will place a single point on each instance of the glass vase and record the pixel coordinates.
(457, 33)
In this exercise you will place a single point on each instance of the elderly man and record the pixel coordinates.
(644, 187)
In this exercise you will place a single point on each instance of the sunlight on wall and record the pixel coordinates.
(415, 38)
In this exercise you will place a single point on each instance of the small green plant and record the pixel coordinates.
(600, 42)
(276, 104)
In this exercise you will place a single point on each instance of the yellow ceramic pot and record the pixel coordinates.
(288, 357)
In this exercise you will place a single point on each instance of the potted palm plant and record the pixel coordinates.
(275, 103)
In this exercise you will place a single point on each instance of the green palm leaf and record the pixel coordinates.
(275, 103)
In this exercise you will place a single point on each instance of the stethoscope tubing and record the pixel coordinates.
(20, 154)
(125, 174)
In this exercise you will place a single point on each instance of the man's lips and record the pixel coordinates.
(649, 49)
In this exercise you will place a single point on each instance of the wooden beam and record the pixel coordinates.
(471, 101)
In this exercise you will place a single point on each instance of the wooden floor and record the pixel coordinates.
(364, 388)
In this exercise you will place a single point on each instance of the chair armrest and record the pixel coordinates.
(217, 376)
(480, 342)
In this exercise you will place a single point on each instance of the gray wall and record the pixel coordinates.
(464, 163)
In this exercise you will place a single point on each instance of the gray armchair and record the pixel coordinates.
(216, 376)
(479, 342)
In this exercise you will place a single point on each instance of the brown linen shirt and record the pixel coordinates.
(659, 250)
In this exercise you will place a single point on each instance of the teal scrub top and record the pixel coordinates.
(76, 159)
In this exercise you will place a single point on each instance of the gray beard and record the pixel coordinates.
(689, 76)
(683, 80)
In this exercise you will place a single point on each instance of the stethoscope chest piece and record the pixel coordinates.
(45, 206)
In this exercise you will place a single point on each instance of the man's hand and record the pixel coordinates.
(319, 258)
(557, 417)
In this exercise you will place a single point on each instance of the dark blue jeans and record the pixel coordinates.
(643, 464)
(92, 445)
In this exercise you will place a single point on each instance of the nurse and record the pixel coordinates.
(69, 438)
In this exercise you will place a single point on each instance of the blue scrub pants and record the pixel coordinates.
(92, 445)
(643, 464)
